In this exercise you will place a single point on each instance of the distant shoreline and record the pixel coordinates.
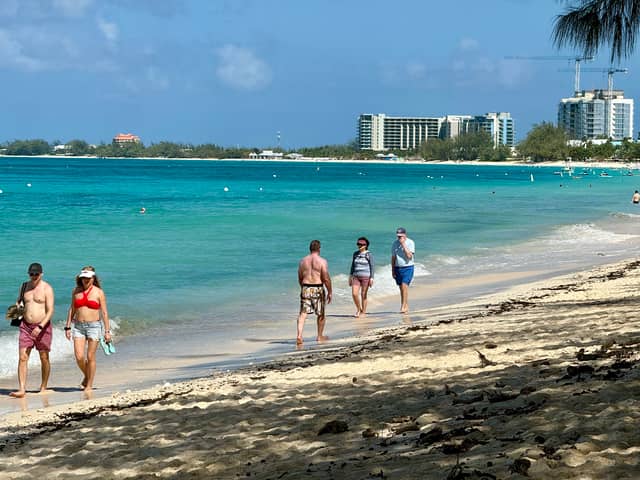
(509, 163)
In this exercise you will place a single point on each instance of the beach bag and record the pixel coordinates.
(15, 313)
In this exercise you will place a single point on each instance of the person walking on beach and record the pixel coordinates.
(314, 278)
(361, 275)
(636, 197)
(402, 251)
(88, 303)
(35, 329)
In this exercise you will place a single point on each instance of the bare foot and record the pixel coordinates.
(357, 314)
(322, 338)
(299, 341)
(83, 383)
(45, 390)
(88, 393)
(18, 394)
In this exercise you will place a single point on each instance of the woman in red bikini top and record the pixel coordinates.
(88, 304)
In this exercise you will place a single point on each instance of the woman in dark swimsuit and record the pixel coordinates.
(88, 304)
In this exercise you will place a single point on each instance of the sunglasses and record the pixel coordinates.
(361, 244)
(32, 274)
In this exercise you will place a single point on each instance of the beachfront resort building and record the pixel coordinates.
(126, 138)
(591, 114)
(382, 133)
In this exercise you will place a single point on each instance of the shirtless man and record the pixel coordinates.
(35, 329)
(313, 277)
(636, 197)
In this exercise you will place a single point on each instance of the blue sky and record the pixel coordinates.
(237, 72)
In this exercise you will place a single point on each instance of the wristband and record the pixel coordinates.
(67, 328)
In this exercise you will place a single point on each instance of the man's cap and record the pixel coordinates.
(35, 268)
(401, 231)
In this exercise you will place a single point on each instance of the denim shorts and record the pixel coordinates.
(92, 330)
(403, 275)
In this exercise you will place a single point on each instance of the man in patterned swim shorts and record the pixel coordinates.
(313, 277)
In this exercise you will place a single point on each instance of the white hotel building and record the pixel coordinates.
(382, 133)
(596, 114)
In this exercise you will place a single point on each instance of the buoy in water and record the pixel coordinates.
(226, 189)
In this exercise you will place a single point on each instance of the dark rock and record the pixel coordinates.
(521, 466)
(411, 427)
(369, 433)
(432, 436)
(577, 370)
(467, 399)
(334, 426)
(527, 390)
(495, 396)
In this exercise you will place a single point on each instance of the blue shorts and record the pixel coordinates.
(403, 274)
(91, 330)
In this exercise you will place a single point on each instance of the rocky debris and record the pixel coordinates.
(432, 436)
(521, 466)
(369, 433)
(468, 398)
(334, 426)
(484, 361)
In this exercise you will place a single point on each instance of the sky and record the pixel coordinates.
(268, 73)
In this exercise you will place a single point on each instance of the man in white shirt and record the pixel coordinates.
(402, 252)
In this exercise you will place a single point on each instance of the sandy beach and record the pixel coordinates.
(539, 381)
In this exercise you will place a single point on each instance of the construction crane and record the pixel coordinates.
(610, 72)
(577, 60)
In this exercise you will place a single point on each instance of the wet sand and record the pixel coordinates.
(540, 381)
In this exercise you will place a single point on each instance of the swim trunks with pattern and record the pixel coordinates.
(312, 299)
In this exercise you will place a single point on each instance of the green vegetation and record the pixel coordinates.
(544, 142)
(472, 146)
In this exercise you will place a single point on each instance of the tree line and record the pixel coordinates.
(545, 142)
(76, 147)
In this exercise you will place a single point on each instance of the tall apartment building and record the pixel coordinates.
(597, 113)
(381, 132)
(499, 125)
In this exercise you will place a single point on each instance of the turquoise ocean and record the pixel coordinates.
(208, 275)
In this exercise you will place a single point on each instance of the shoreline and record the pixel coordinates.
(541, 378)
(510, 163)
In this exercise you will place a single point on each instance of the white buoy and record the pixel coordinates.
(532, 177)
(1, 191)
(260, 189)
(274, 175)
(28, 184)
(226, 189)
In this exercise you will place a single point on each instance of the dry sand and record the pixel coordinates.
(541, 381)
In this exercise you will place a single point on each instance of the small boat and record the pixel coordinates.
(605, 175)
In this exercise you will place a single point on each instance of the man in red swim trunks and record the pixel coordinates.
(35, 329)
(313, 277)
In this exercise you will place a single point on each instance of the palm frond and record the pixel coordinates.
(596, 23)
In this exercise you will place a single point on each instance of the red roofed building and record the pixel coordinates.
(126, 138)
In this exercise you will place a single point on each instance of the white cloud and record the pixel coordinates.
(109, 30)
(12, 54)
(240, 68)
(72, 8)
(467, 43)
